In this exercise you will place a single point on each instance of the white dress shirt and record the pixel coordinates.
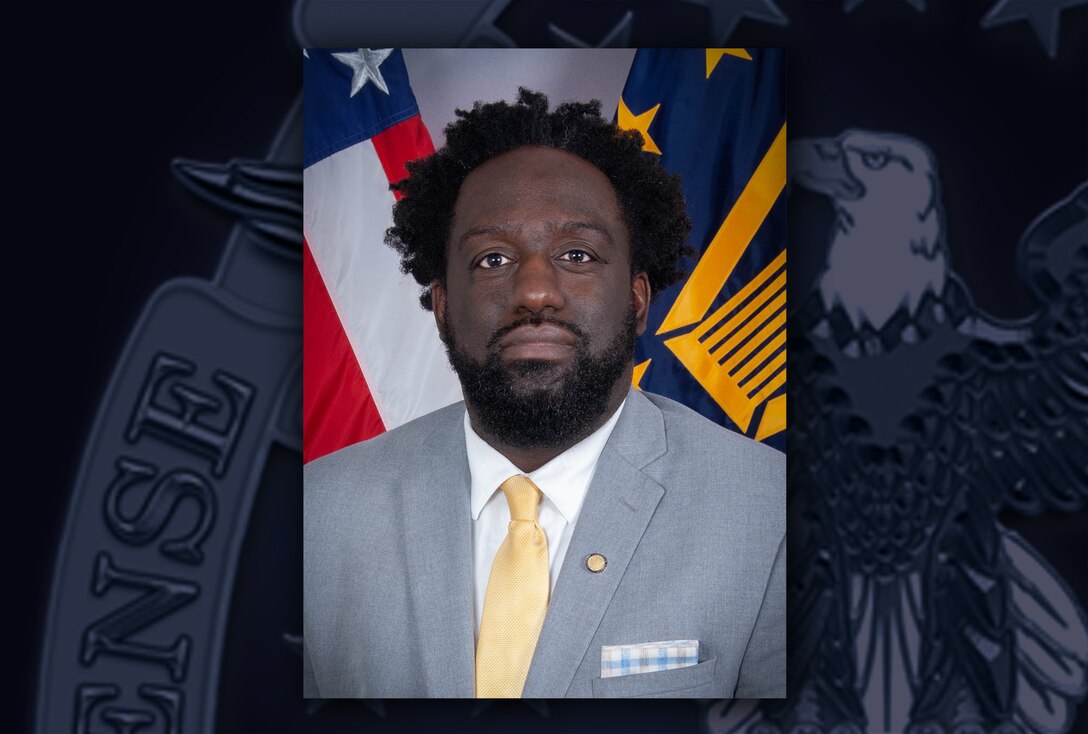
(563, 481)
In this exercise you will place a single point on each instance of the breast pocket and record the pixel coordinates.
(694, 681)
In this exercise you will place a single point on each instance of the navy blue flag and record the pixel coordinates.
(716, 341)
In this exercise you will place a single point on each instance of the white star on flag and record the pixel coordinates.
(364, 64)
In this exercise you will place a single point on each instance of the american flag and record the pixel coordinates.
(372, 356)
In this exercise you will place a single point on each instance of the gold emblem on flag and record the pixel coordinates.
(738, 352)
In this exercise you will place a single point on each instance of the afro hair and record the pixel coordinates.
(652, 199)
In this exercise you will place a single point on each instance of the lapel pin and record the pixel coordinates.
(596, 563)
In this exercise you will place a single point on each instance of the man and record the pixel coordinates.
(532, 539)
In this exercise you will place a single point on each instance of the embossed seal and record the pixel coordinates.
(145, 574)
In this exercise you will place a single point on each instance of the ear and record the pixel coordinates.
(640, 296)
(438, 306)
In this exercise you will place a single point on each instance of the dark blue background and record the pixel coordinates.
(98, 113)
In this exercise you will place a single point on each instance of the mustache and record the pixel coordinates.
(536, 320)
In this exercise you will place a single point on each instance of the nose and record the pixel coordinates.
(537, 286)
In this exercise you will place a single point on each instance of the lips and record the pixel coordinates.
(538, 341)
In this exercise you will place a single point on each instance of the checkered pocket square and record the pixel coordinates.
(648, 657)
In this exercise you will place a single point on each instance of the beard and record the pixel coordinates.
(534, 403)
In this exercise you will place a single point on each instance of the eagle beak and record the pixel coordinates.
(819, 165)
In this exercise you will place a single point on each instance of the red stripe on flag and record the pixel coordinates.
(405, 141)
(337, 407)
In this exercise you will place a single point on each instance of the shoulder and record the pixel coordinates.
(386, 456)
(714, 456)
(683, 425)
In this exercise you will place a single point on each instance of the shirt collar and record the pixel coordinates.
(563, 480)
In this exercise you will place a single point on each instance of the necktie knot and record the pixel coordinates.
(523, 498)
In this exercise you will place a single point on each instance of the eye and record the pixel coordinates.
(577, 256)
(874, 159)
(493, 260)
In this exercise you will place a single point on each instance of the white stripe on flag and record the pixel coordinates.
(347, 210)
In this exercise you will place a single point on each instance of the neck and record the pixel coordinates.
(872, 274)
(530, 458)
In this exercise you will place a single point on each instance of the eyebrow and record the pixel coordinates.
(493, 230)
(577, 225)
(504, 230)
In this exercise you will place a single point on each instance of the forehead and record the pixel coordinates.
(532, 179)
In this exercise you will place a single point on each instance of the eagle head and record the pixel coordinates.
(887, 247)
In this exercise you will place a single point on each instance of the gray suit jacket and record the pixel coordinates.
(691, 518)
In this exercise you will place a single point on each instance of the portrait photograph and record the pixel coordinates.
(544, 373)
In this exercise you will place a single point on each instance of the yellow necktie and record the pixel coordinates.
(516, 599)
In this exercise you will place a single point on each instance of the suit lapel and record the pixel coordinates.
(618, 506)
(439, 544)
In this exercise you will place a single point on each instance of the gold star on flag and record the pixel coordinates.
(714, 55)
(629, 121)
(640, 370)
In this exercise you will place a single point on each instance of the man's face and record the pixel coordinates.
(540, 310)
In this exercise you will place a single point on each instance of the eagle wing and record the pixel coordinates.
(1009, 416)
(1020, 391)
